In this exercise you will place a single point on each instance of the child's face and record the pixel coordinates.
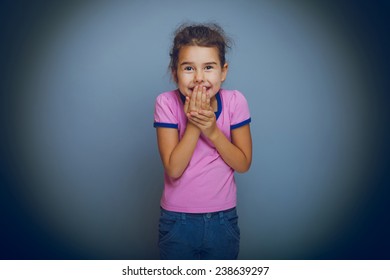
(200, 66)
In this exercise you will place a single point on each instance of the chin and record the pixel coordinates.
(213, 92)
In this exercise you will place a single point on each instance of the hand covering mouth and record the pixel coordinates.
(192, 88)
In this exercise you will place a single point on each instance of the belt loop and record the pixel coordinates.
(183, 218)
(221, 220)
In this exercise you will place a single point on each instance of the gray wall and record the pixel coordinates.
(83, 173)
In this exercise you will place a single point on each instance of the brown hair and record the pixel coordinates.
(202, 35)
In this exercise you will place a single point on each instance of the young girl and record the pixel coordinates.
(203, 136)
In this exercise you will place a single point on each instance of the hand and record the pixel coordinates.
(199, 111)
(196, 101)
(205, 120)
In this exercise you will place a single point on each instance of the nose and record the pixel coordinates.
(199, 77)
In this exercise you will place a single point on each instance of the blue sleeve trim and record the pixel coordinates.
(168, 125)
(240, 124)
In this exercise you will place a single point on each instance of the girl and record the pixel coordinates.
(203, 136)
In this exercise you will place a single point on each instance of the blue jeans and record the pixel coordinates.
(208, 236)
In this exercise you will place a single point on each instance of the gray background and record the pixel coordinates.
(81, 174)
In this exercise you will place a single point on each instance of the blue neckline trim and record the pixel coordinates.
(217, 96)
(219, 102)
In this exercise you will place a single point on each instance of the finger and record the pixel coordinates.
(193, 113)
(199, 98)
(195, 122)
(207, 113)
(199, 123)
(201, 119)
(196, 115)
(208, 101)
(193, 99)
(204, 100)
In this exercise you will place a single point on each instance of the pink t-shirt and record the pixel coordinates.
(207, 184)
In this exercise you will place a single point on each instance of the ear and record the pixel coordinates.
(225, 69)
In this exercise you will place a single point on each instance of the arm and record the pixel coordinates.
(238, 153)
(176, 154)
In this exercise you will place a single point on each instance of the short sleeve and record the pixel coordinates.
(240, 114)
(164, 112)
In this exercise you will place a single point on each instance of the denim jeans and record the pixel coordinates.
(186, 236)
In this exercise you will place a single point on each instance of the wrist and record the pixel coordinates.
(214, 135)
(191, 128)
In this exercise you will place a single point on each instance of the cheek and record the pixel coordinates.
(185, 79)
(216, 79)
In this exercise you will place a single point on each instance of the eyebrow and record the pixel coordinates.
(207, 63)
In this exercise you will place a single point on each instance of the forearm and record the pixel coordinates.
(182, 153)
(231, 154)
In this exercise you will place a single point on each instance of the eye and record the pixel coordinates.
(209, 67)
(188, 68)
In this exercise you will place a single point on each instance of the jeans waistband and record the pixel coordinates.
(209, 214)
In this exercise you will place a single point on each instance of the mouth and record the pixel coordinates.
(207, 89)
